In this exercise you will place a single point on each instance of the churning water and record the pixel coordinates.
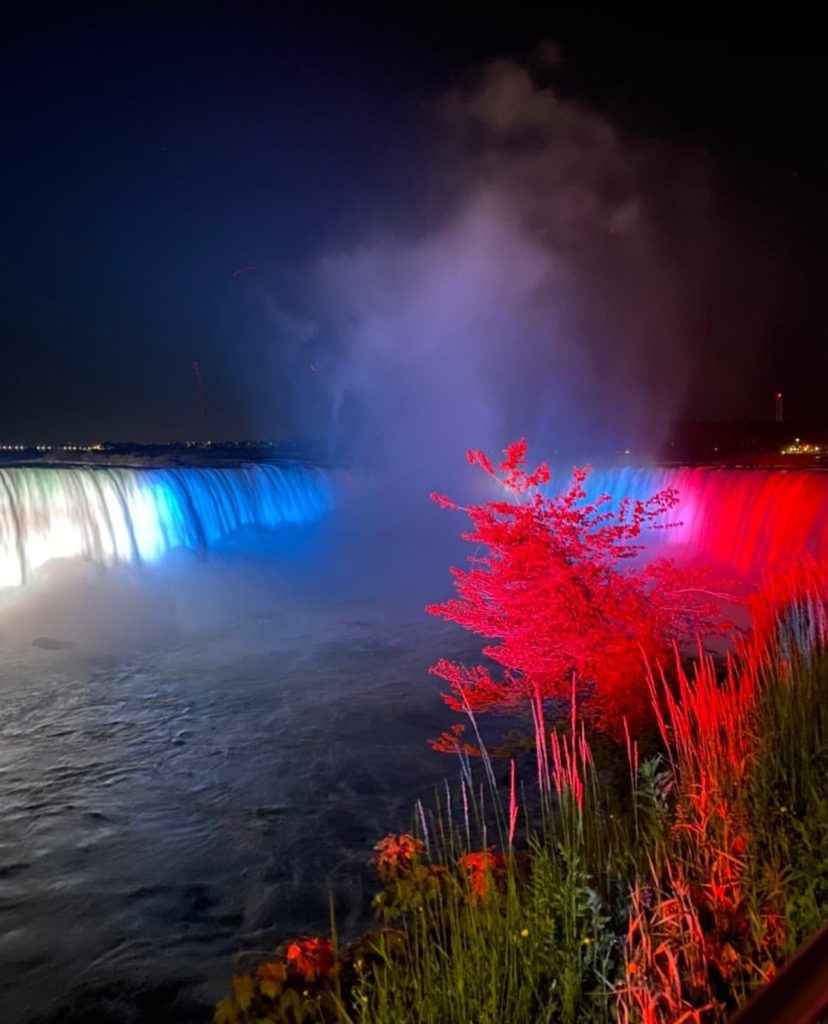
(188, 765)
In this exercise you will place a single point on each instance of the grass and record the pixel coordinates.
(654, 886)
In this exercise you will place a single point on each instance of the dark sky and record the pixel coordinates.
(174, 176)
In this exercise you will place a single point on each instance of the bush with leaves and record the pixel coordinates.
(563, 598)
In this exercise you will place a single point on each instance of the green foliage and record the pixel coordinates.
(519, 937)
(568, 925)
(651, 890)
(534, 948)
(788, 796)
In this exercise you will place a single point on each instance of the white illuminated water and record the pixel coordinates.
(746, 518)
(136, 516)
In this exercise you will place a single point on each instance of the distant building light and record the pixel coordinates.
(801, 448)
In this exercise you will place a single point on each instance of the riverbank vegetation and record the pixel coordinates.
(658, 852)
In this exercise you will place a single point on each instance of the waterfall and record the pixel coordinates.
(135, 516)
(745, 519)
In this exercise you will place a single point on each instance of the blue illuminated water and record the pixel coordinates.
(113, 516)
(746, 520)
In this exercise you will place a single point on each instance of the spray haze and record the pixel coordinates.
(562, 292)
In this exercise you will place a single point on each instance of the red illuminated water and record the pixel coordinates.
(748, 520)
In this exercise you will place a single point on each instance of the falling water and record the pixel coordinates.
(135, 516)
(745, 519)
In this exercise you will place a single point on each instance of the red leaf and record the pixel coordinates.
(554, 591)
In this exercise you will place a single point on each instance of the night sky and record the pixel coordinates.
(298, 200)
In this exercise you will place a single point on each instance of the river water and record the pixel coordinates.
(190, 760)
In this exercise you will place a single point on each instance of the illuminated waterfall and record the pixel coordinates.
(135, 516)
(746, 519)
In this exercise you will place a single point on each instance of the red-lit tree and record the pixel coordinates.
(563, 600)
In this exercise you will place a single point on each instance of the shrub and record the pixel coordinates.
(563, 600)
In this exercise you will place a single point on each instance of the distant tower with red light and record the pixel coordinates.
(778, 407)
(196, 366)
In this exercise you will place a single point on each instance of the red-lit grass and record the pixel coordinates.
(668, 904)
(734, 888)
(673, 912)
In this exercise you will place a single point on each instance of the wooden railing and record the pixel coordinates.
(799, 992)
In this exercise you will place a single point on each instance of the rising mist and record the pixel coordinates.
(561, 287)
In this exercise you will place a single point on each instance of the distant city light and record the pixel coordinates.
(99, 446)
(801, 448)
